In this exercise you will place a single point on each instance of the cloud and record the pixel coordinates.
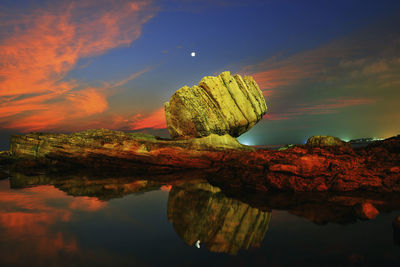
(155, 120)
(268, 80)
(351, 71)
(45, 44)
(130, 78)
(350, 57)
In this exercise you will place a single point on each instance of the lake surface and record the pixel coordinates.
(87, 221)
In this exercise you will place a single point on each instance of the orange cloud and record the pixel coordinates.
(46, 44)
(155, 120)
(273, 78)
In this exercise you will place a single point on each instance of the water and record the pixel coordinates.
(87, 221)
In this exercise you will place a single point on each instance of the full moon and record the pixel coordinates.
(193, 54)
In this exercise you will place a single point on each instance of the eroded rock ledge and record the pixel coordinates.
(305, 168)
(118, 150)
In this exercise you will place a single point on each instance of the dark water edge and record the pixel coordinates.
(91, 220)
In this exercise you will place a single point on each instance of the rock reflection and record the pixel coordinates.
(202, 212)
(323, 208)
(396, 230)
(224, 221)
(103, 188)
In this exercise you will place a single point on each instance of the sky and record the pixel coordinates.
(324, 67)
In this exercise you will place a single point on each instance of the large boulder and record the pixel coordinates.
(221, 105)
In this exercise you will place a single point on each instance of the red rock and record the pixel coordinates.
(366, 211)
(283, 168)
(300, 168)
(395, 169)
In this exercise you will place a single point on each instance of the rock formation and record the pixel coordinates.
(323, 140)
(220, 105)
(303, 168)
(202, 212)
(120, 151)
(375, 168)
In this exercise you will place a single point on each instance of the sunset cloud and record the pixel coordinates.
(46, 44)
(155, 120)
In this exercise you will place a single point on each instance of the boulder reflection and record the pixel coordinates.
(202, 212)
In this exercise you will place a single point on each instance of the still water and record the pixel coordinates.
(85, 221)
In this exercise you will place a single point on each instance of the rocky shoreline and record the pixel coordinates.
(223, 161)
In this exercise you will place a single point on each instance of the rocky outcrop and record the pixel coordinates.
(327, 168)
(304, 168)
(220, 105)
(324, 140)
(202, 212)
(120, 151)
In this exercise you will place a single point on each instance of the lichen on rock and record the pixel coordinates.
(220, 105)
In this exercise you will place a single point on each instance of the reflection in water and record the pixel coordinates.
(63, 218)
(82, 185)
(202, 212)
(28, 219)
(396, 230)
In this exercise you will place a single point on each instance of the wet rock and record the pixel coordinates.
(366, 211)
(220, 105)
(202, 212)
(314, 169)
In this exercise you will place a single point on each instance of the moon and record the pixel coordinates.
(193, 54)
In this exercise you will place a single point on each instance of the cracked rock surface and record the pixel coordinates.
(220, 105)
